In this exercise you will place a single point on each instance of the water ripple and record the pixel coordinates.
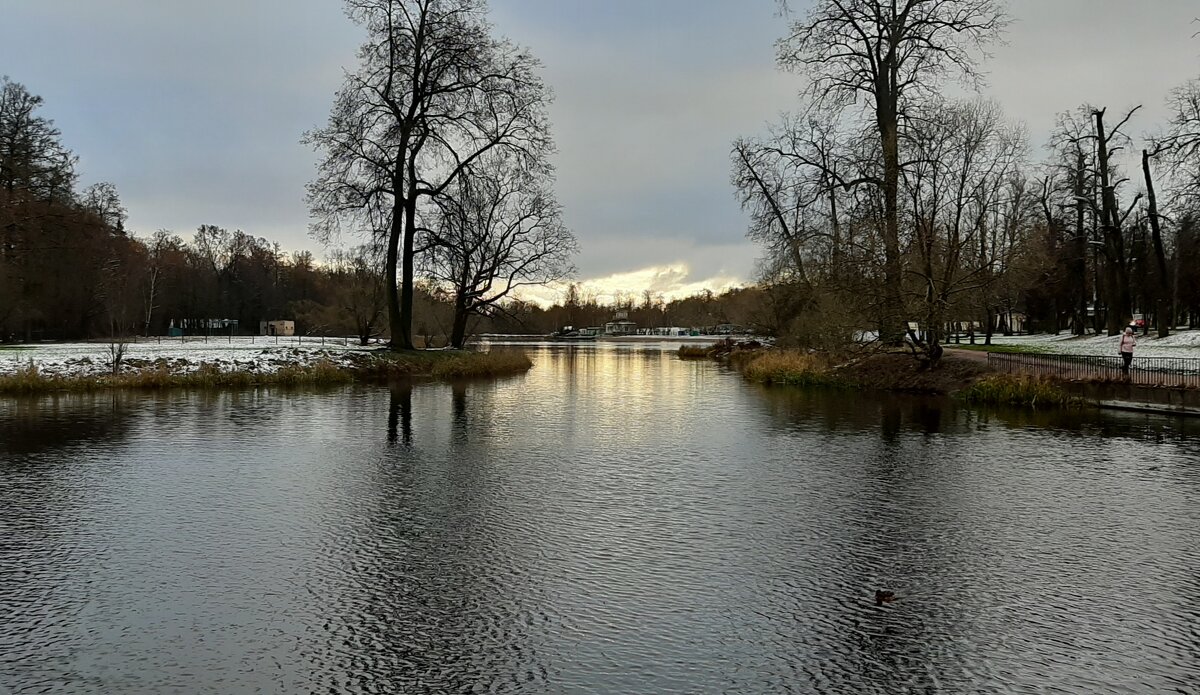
(617, 521)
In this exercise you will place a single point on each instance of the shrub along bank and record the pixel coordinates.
(970, 379)
(1020, 390)
(892, 371)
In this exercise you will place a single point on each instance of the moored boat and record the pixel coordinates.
(569, 333)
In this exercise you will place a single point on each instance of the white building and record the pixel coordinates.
(277, 328)
(620, 325)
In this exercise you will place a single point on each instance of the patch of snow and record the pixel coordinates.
(259, 354)
(1179, 344)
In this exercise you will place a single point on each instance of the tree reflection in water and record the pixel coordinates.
(399, 425)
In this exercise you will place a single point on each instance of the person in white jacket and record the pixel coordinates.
(1128, 343)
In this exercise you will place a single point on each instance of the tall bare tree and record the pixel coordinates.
(960, 187)
(1069, 196)
(499, 229)
(888, 55)
(1181, 143)
(434, 91)
(1112, 220)
(1164, 312)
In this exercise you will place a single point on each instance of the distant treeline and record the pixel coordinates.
(69, 268)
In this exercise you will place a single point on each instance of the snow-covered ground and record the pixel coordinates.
(259, 354)
(1178, 344)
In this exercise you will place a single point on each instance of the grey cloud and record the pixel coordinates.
(195, 109)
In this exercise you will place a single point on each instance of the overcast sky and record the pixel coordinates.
(195, 109)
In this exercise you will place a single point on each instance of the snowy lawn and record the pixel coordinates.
(258, 354)
(1178, 344)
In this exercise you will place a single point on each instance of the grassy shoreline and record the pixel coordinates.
(379, 366)
(970, 380)
(1021, 391)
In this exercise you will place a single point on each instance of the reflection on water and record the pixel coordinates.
(615, 521)
(400, 414)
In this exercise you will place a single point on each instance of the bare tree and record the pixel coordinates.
(964, 196)
(156, 249)
(1112, 220)
(434, 91)
(1070, 192)
(1179, 149)
(793, 184)
(768, 192)
(499, 229)
(1164, 313)
(358, 274)
(890, 54)
(1181, 143)
(102, 200)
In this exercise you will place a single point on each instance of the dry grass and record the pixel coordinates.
(385, 365)
(738, 359)
(1020, 390)
(28, 379)
(695, 352)
(791, 367)
(482, 364)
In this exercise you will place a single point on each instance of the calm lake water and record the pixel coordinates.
(616, 521)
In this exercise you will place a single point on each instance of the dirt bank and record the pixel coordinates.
(900, 372)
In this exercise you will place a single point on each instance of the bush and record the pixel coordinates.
(791, 367)
(482, 364)
(694, 352)
(1020, 390)
(27, 379)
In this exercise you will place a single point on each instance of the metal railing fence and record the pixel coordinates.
(1170, 372)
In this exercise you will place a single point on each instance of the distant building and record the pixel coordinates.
(277, 328)
(180, 327)
(620, 325)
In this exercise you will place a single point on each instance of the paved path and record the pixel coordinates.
(966, 355)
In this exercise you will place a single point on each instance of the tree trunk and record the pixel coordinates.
(458, 332)
(402, 227)
(1162, 311)
(836, 228)
(1116, 274)
(364, 327)
(150, 300)
(405, 319)
(892, 326)
(393, 298)
(1079, 254)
